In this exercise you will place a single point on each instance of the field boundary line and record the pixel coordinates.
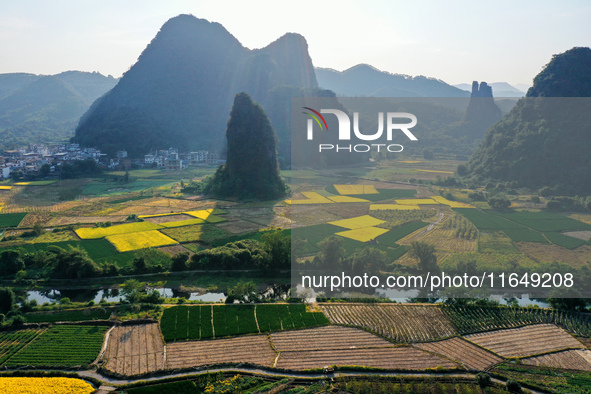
(212, 326)
(257, 320)
(105, 345)
(164, 356)
(276, 359)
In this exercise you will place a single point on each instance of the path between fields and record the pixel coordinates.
(117, 382)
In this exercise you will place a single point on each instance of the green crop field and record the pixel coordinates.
(70, 315)
(525, 235)
(544, 221)
(564, 240)
(62, 346)
(12, 341)
(11, 219)
(182, 387)
(181, 323)
(473, 319)
(286, 317)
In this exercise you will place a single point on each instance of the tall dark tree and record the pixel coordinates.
(251, 170)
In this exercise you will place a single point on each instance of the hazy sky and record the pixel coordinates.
(454, 40)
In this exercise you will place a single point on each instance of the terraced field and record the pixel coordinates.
(568, 359)
(526, 341)
(326, 338)
(134, 349)
(399, 358)
(471, 356)
(254, 349)
(13, 341)
(403, 323)
(63, 346)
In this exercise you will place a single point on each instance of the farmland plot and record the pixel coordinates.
(12, 341)
(398, 358)
(326, 338)
(569, 359)
(526, 341)
(63, 346)
(403, 323)
(471, 356)
(251, 349)
(135, 349)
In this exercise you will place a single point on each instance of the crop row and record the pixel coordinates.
(62, 346)
(201, 322)
(12, 341)
(472, 319)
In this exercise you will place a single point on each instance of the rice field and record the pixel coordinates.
(569, 359)
(30, 385)
(311, 198)
(393, 207)
(451, 204)
(365, 234)
(128, 228)
(340, 199)
(181, 223)
(417, 201)
(139, 240)
(356, 189)
(358, 222)
(471, 356)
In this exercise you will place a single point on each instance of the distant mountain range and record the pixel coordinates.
(180, 91)
(365, 80)
(46, 108)
(500, 89)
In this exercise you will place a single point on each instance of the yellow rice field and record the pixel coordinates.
(205, 215)
(101, 232)
(363, 234)
(181, 223)
(358, 222)
(392, 207)
(1, 206)
(356, 189)
(409, 161)
(44, 386)
(22, 183)
(416, 201)
(5, 187)
(141, 240)
(452, 204)
(346, 199)
(311, 198)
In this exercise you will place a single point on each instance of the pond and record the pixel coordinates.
(113, 295)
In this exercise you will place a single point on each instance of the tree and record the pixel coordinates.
(513, 386)
(132, 290)
(425, 253)
(6, 300)
(369, 260)
(179, 261)
(44, 170)
(244, 292)
(499, 203)
(139, 265)
(332, 252)
(11, 262)
(483, 380)
(278, 245)
(462, 170)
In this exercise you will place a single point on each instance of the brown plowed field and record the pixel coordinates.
(526, 341)
(463, 351)
(254, 349)
(405, 358)
(135, 349)
(404, 323)
(326, 338)
(569, 359)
